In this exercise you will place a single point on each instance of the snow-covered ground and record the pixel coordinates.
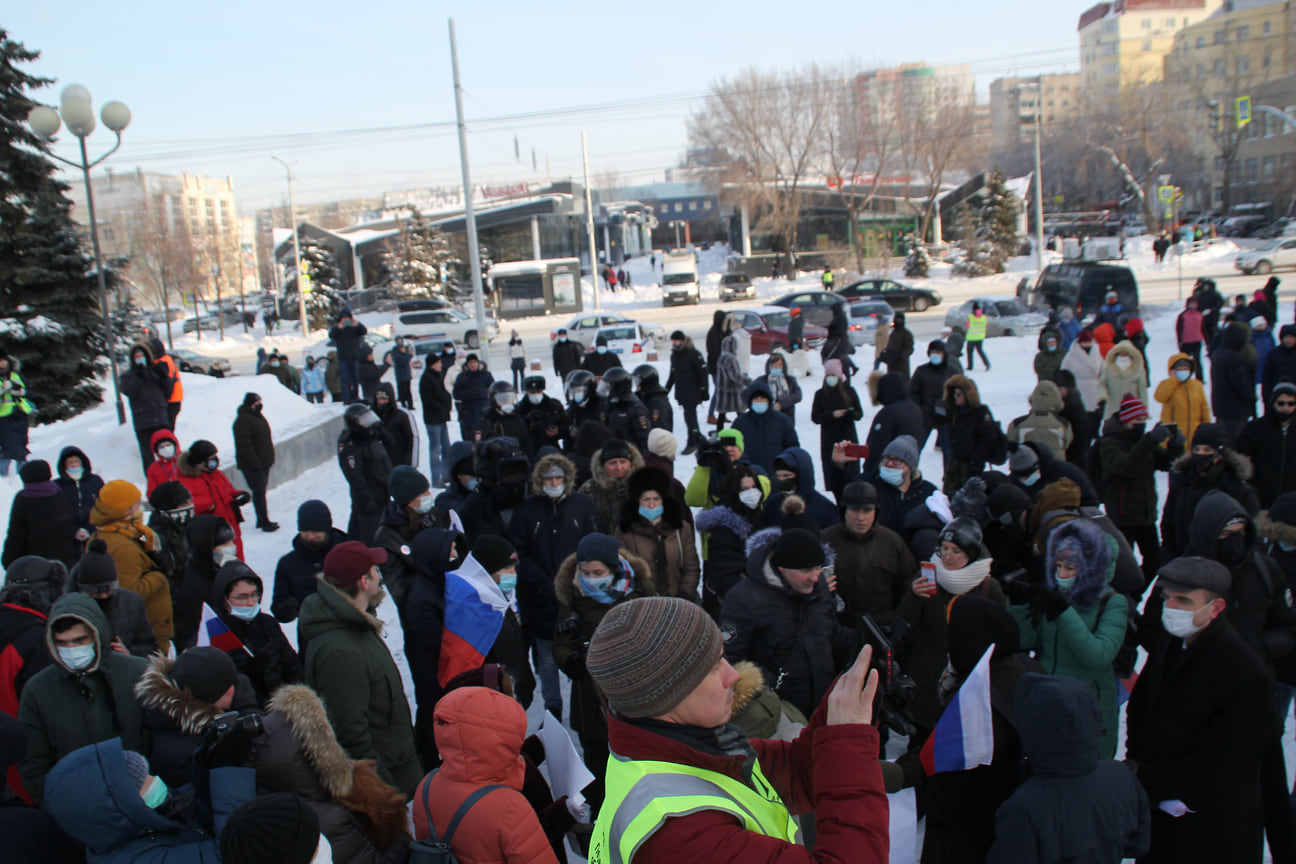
(210, 403)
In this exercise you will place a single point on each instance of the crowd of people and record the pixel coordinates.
(741, 640)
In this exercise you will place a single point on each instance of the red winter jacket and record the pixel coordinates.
(830, 770)
(480, 733)
(212, 493)
(162, 470)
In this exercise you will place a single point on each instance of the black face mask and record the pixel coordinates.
(1203, 462)
(789, 485)
(1232, 550)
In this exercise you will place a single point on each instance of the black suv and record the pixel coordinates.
(1083, 286)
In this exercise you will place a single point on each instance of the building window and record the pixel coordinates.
(1221, 68)
(1252, 170)
(1147, 24)
(692, 205)
(1243, 32)
(1147, 45)
(1265, 61)
(706, 205)
(1219, 163)
(1266, 28)
(1170, 22)
(1243, 65)
(1201, 41)
(1220, 37)
(1269, 167)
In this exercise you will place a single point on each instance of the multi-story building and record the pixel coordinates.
(1123, 43)
(1247, 47)
(909, 95)
(1016, 103)
(177, 230)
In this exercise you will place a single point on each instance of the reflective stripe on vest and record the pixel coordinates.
(641, 796)
(976, 328)
(8, 400)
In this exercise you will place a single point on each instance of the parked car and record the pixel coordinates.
(583, 328)
(446, 323)
(1242, 226)
(230, 317)
(736, 286)
(627, 339)
(202, 364)
(816, 306)
(1278, 253)
(866, 316)
(768, 326)
(899, 295)
(1005, 315)
(1277, 228)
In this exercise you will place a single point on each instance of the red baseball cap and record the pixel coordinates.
(347, 562)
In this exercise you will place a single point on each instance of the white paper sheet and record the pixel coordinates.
(904, 827)
(567, 772)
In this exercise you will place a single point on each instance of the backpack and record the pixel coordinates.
(998, 441)
(432, 850)
(1123, 662)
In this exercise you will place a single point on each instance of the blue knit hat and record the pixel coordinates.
(600, 547)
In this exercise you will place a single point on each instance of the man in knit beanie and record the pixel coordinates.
(96, 576)
(669, 691)
(274, 829)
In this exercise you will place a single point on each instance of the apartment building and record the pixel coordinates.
(1016, 103)
(1124, 43)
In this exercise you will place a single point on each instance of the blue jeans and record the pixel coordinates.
(547, 671)
(349, 374)
(438, 447)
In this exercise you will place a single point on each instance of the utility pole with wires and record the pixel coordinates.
(589, 224)
(470, 220)
(292, 219)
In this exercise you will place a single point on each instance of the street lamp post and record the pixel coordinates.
(292, 216)
(77, 112)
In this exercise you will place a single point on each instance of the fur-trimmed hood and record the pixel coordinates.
(542, 466)
(1273, 530)
(1098, 552)
(567, 590)
(602, 478)
(723, 517)
(967, 385)
(750, 683)
(654, 479)
(1239, 464)
(1124, 349)
(1046, 398)
(1179, 357)
(157, 690)
(187, 467)
(299, 736)
(759, 548)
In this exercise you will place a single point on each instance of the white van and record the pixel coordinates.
(680, 278)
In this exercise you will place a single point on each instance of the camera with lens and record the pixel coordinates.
(232, 721)
(712, 454)
(895, 688)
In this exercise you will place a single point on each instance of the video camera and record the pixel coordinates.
(231, 721)
(895, 687)
(712, 454)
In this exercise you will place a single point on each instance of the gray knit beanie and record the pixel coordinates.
(647, 655)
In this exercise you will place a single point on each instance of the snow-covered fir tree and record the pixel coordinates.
(325, 300)
(416, 266)
(50, 317)
(917, 263)
(988, 233)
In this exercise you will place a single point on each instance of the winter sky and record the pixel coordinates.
(218, 89)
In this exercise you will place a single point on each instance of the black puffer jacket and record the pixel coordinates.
(1075, 807)
(545, 531)
(688, 373)
(456, 493)
(899, 415)
(82, 493)
(1271, 446)
(398, 529)
(794, 638)
(1130, 461)
(366, 467)
(434, 553)
(927, 386)
(177, 721)
(607, 492)
(1231, 475)
(127, 619)
(297, 574)
(970, 433)
(434, 396)
(41, 522)
(549, 414)
(253, 444)
(147, 387)
(270, 661)
(199, 578)
(398, 426)
(173, 558)
(1232, 382)
(724, 563)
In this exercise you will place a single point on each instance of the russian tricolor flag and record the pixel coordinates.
(474, 614)
(216, 633)
(964, 734)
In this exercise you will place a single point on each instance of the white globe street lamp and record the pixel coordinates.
(77, 110)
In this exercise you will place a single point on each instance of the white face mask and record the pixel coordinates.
(166, 451)
(535, 398)
(1179, 622)
(1124, 362)
(554, 491)
(224, 554)
(750, 497)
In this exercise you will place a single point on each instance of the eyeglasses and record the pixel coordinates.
(1285, 403)
(247, 597)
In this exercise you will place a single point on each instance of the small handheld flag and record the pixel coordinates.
(964, 734)
(216, 633)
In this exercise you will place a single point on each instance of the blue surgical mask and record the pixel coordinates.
(212, 464)
(76, 473)
(472, 484)
(154, 792)
(578, 396)
(508, 582)
(1286, 547)
(140, 361)
(760, 407)
(1031, 480)
(894, 476)
(77, 657)
(246, 613)
(562, 338)
(652, 514)
(602, 349)
(776, 372)
(1183, 375)
(831, 381)
(936, 359)
(1065, 585)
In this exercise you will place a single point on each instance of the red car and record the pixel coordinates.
(768, 326)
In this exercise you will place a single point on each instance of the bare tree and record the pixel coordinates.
(162, 255)
(936, 141)
(771, 127)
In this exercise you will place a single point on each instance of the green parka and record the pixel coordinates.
(62, 710)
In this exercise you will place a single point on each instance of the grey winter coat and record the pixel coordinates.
(731, 379)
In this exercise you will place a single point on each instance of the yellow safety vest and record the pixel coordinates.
(9, 400)
(641, 796)
(976, 327)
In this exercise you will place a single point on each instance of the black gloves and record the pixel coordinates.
(1161, 434)
(241, 498)
(1053, 604)
(1020, 592)
(230, 740)
(574, 667)
(716, 460)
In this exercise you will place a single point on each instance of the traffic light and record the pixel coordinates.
(1213, 115)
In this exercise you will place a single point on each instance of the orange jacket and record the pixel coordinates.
(480, 733)
(177, 392)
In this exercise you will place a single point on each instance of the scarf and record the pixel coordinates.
(618, 590)
(135, 529)
(961, 581)
(39, 489)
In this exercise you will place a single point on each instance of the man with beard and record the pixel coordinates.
(349, 666)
